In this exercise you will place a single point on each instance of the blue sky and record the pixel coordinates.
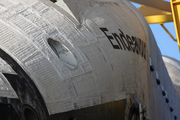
(166, 45)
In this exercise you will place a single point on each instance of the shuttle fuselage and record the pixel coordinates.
(81, 59)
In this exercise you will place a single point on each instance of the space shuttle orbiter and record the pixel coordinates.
(81, 60)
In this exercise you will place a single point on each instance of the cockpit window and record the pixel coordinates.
(53, 1)
(63, 53)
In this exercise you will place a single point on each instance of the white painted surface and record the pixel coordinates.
(173, 67)
(63, 5)
(103, 74)
(5, 68)
(6, 89)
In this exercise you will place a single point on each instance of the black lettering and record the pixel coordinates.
(130, 42)
(140, 46)
(145, 51)
(142, 49)
(116, 36)
(126, 41)
(110, 38)
(136, 45)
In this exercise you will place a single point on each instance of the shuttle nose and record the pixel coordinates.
(173, 68)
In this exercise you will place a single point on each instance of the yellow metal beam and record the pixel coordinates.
(149, 11)
(159, 19)
(175, 6)
(159, 11)
(162, 25)
(158, 4)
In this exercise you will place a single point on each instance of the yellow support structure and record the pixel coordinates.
(158, 4)
(159, 19)
(159, 11)
(168, 32)
(175, 6)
